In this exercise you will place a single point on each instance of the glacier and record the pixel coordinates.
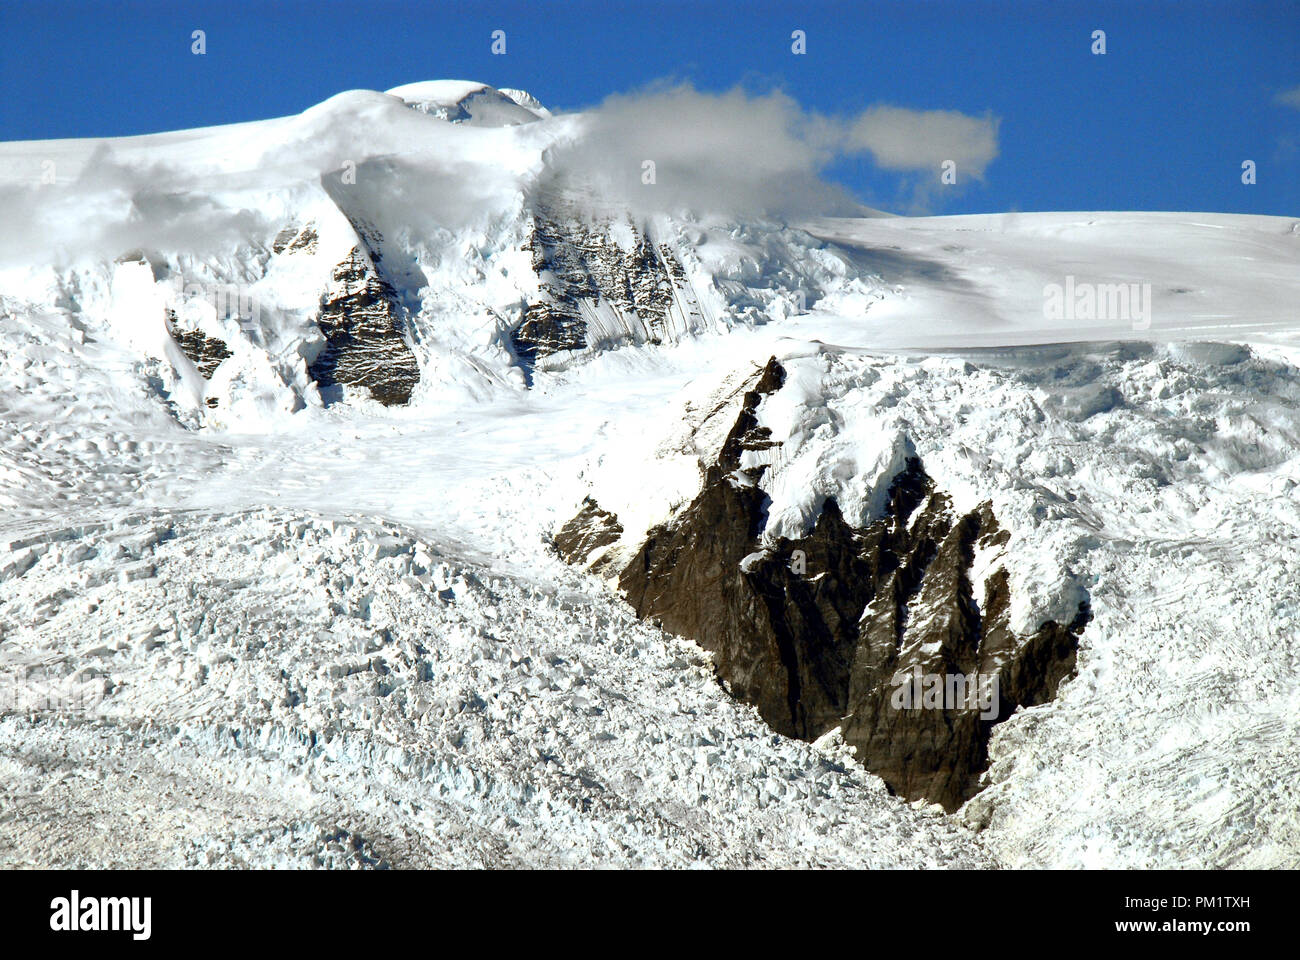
(292, 411)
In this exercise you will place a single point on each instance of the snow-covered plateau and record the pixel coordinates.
(292, 414)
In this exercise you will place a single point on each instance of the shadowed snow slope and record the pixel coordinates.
(250, 615)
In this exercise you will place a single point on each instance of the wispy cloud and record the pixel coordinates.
(1289, 98)
(742, 153)
(901, 139)
(111, 208)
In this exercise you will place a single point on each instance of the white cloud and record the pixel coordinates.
(900, 139)
(112, 208)
(740, 153)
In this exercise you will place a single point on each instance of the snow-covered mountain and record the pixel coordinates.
(382, 486)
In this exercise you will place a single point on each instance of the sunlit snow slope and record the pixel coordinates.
(264, 602)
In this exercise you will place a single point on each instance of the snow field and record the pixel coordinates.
(284, 677)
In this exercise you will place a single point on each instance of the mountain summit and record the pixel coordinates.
(463, 101)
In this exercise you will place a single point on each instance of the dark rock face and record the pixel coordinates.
(205, 352)
(820, 632)
(591, 529)
(295, 239)
(934, 743)
(365, 344)
(578, 261)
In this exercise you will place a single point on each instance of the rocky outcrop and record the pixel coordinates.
(365, 341)
(877, 631)
(205, 352)
(591, 530)
(580, 261)
(295, 239)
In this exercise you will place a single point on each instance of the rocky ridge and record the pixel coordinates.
(878, 632)
(365, 338)
(582, 266)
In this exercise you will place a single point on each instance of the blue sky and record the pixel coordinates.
(1163, 121)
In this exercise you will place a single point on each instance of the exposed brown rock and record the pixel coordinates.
(295, 239)
(205, 352)
(580, 261)
(815, 631)
(590, 529)
(365, 345)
